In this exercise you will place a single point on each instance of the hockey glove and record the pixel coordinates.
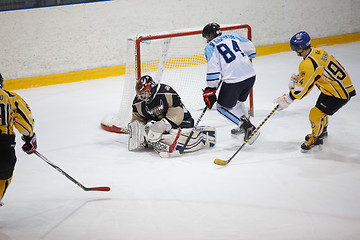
(292, 81)
(154, 130)
(209, 95)
(284, 101)
(30, 144)
(160, 126)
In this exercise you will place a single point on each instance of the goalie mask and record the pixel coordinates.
(145, 88)
(211, 31)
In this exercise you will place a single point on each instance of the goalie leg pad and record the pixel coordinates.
(163, 141)
(159, 146)
(136, 135)
(203, 137)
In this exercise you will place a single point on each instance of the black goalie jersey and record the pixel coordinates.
(164, 103)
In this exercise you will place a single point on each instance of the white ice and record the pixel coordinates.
(270, 190)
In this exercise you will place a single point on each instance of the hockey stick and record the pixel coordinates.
(161, 147)
(225, 162)
(69, 177)
(173, 145)
(179, 152)
(114, 129)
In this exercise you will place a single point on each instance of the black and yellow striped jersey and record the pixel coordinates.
(322, 70)
(15, 112)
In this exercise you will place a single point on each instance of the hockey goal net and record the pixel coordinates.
(175, 58)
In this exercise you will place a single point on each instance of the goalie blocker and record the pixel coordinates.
(141, 136)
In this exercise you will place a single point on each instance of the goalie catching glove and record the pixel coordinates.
(209, 95)
(284, 101)
(154, 130)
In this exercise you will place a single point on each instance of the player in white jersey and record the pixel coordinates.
(229, 66)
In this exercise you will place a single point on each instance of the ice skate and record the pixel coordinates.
(237, 131)
(311, 143)
(247, 128)
(322, 136)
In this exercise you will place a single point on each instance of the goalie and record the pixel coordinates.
(161, 121)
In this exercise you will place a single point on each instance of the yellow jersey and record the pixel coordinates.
(322, 70)
(15, 112)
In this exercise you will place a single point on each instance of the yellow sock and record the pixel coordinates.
(318, 120)
(4, 184)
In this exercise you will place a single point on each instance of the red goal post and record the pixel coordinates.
(175, 58)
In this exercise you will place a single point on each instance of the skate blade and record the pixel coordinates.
(253, 138)
(316, 148)
(169, 155)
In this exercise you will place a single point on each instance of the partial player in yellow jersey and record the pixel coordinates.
(322, 70)
(14, 112)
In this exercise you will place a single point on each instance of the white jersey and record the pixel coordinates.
(228, 59)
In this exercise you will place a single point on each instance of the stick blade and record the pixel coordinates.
(220, 162)
(169, 155)
(113, 128)
(103, 189)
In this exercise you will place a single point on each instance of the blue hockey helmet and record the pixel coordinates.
(300, 39)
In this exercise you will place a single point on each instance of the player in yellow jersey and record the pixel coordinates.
(322, 70)
(14, 112)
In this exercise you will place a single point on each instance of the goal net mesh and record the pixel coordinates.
(175, 58)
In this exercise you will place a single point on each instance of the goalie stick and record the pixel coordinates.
(163, 147)
(225, 162)
(173, 145)
(105, 189)
(179, 152)
(114, 129)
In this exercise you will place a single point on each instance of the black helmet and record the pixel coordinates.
(211, 30)
(145, 88)
(1, 82)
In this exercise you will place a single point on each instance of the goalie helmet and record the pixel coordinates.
(1, 82)
(145, 88)
(300, 39)
(211, 31)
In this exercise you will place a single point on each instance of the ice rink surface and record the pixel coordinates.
(270, 190)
